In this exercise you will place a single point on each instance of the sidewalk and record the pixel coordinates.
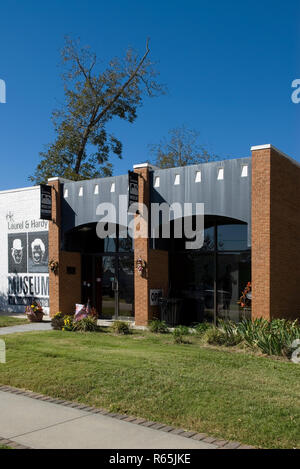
(33, 326)
(45, 425)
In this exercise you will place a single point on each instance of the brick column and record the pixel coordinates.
(54, 245)
(141, 249)
(156, 273)
(64, 288)
(275, 234)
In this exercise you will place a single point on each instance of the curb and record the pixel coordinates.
(221, 444)
(12, 444)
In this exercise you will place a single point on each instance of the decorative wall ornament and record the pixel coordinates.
(53, 266)
(140, 265)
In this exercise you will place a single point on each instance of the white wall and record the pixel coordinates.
(23, 250)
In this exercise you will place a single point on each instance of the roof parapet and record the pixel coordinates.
(269, 146)
(145, 165)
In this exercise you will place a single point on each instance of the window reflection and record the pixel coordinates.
(232, 237)
(109, 245)
(125, 244)
(234, 272)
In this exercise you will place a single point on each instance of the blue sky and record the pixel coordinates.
(228, 66)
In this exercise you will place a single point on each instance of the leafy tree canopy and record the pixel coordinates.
(93, 97)
(180, 148)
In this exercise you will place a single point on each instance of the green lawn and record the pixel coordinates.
(231, 395)
(6, 321)
(4, 447)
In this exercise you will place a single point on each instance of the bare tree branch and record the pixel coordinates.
(104, 111)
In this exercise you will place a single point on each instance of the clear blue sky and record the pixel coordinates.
(228, 66)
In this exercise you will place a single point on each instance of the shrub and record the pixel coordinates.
(121, 327)
(215, 336)
(272, 338)
(232, 335)
(57, 322)
(202, 327)
(158, 327)
(88, 324)
(68, 323)
(179, 333)
(225, 334)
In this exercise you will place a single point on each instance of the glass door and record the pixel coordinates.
(107, 284)
(125, 286)
(107, 287)
(115, 286)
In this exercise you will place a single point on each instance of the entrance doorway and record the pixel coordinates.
(107, 273)
(107, 283)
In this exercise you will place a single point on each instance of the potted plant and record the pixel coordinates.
(34, 312)
(245, 301)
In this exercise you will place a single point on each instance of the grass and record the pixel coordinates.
(6, 321)
(232, 395)
(5, 447)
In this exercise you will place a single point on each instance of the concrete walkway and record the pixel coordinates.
(32, 326)
(45, 425)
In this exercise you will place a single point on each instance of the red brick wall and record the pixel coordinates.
(158, 275)
(156, 272)
(285, 237)
(54, 243)
(261, 226)
(141, 249)
(275, 235)
(70, 284)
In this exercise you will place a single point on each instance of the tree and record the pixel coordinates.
(83, 147)
(181, 148)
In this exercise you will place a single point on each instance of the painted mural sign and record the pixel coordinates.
(28, 254)
(24, 273)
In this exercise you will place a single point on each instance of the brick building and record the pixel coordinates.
(250, 233)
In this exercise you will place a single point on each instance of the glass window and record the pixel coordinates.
(109, 244)
(126, 244)
(126, 286)
(192, 280)
(198, 176)
(232, 237)
(234, 272)
(244, 173)
(209, 239)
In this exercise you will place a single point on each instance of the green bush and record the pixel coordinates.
(57, 322)
(232, 335)
(88, 324)
(214, 336)
(121, 327)
(225, 334)
(158, 327)
(179, 334)
(272, 338)
(201, 328)
(68, 323)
